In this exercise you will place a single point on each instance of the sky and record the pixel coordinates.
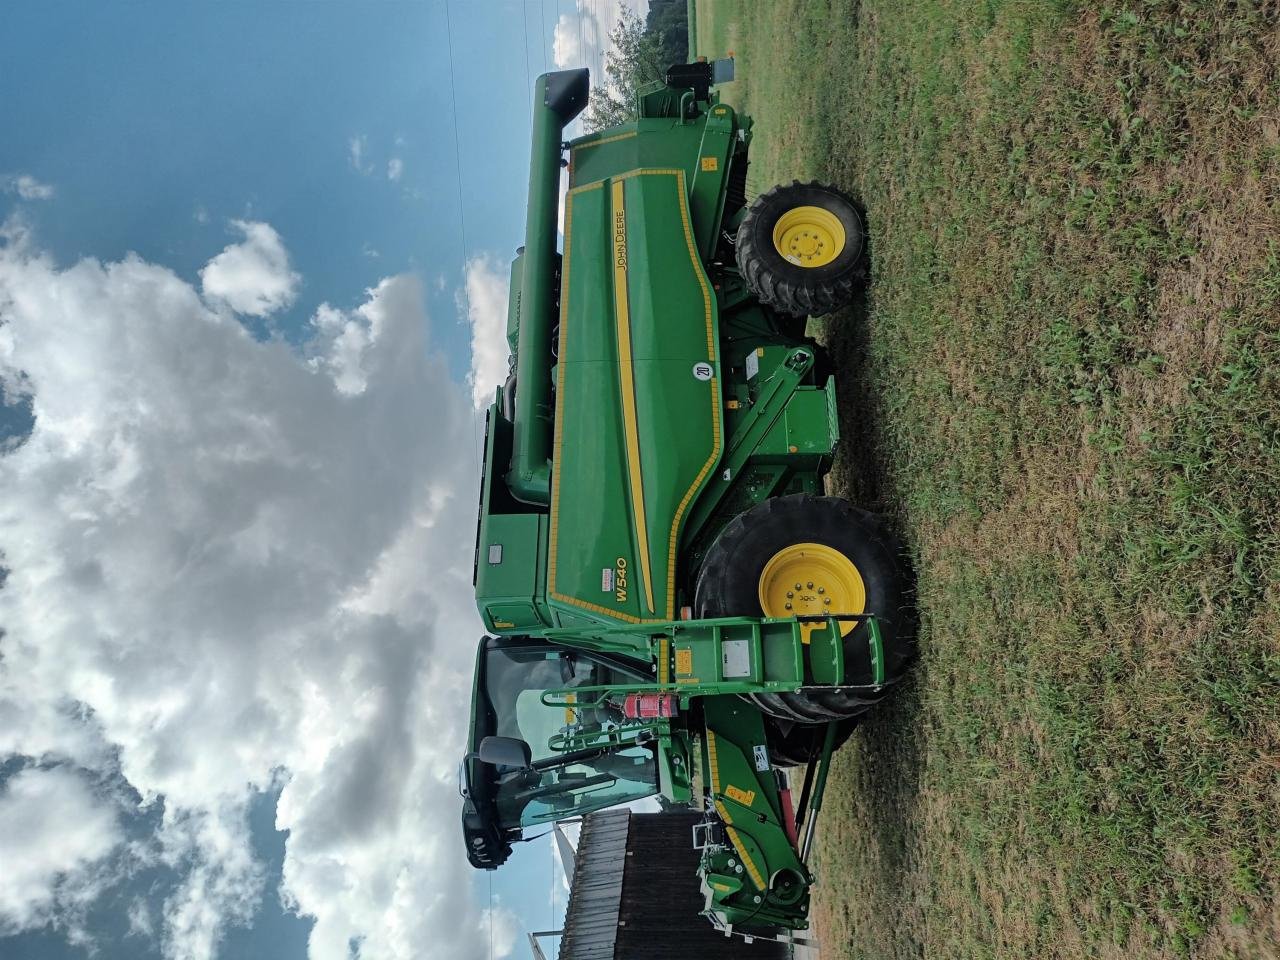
(253, 268)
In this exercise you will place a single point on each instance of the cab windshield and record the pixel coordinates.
(516, 677)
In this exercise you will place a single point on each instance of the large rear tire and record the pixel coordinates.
(801, 249)
(805, 554)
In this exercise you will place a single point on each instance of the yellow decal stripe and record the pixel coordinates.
(664, 661)
(604, 140)
(756, 876)
(715, 766)
(714, 456)
(626, 381)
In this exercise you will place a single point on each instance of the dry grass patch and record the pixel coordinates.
(1064, 384)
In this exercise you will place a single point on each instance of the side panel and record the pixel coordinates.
(638, 428)
(700, 147)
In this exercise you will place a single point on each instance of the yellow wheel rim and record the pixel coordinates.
(809, 236)
(810, 578)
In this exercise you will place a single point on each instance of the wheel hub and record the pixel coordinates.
(809, 236)
(808, 579)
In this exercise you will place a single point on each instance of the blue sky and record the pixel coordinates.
(159, 122)
(236, 628)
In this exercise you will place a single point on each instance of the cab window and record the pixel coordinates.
(516, 677)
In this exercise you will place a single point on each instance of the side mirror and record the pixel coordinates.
(505, 752)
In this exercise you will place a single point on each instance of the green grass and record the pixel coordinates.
(1064, 385)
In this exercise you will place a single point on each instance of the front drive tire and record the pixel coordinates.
(801, 248)
(741, 565)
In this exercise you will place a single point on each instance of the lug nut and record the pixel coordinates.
(826, 600)
(810, 584)
(799, 587)
(822, 589)
(788, 606)
(790, 594)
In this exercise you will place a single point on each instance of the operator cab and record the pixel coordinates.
(546, 761)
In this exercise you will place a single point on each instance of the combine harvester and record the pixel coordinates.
(675, 606)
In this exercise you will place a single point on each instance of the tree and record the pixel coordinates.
(668, 20)
(634, 59)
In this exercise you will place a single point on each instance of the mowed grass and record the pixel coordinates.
(1064, 385)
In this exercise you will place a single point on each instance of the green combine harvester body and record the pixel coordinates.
(655, 401)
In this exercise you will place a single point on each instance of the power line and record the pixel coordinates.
(462, 255)
(599, 42)
(457, 149)
(524, 22)
(542, 31)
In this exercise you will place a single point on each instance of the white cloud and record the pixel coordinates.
(485, 303)
(499, 927)
(357, 148)
(55, 830)
(569, 44)
(342, 342)
(234, 567)
(395, 168)
(581, 38)
(26, 186)
(252, 277)
(140, 922)
(223, 883)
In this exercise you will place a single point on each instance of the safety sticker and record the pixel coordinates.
(606, 580)
(735, 658)
(744, 797)
(684, 661)
(762, 757)
(710, 163)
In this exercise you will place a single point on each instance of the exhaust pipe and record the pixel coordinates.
(557, 99)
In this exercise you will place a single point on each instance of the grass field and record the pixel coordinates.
(1064, 385)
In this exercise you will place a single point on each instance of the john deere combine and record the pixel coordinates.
(675, 606)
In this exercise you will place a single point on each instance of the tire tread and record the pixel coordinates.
(793, 294)
(719, 569)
